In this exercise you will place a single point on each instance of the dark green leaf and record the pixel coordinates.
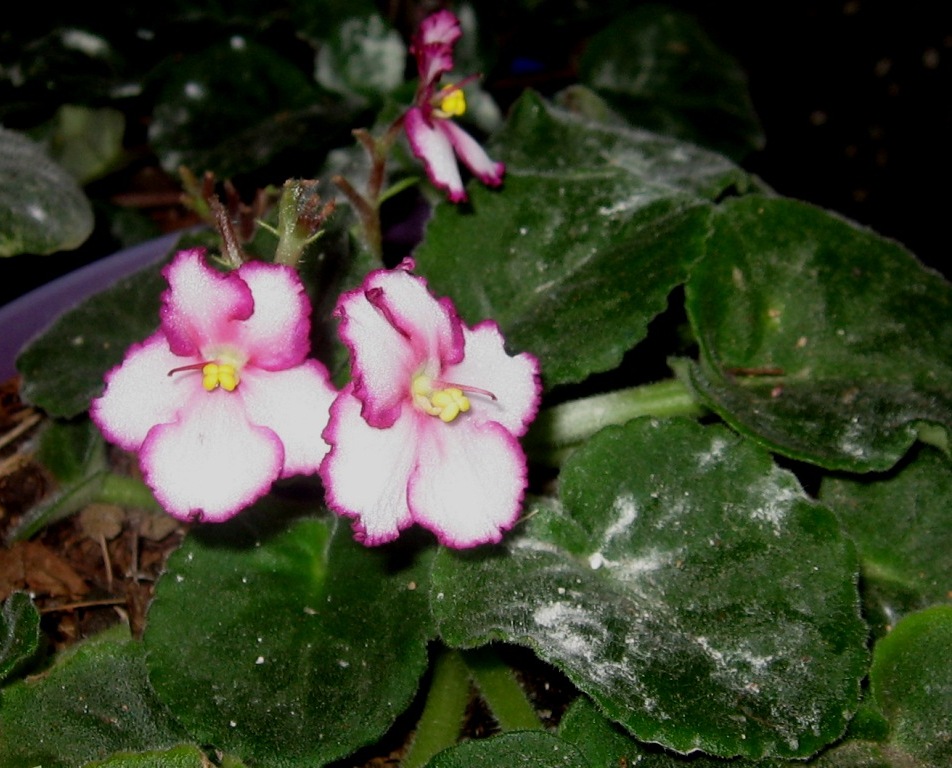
(690, 588)
(19, 633)
(366, 59)
(63, 368)
(657, 67)
(70, 450)
(911, 680)
(238, 107)
(819, 339)
(87, 142)
(42, 208)
(93, 702)
(607, 746)
(577, 279)
(177, 757)
(518, 749)
(900, 524)
(289, 648)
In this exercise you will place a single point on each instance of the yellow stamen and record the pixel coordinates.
(446, 403)
(223, 375)
(453, 102)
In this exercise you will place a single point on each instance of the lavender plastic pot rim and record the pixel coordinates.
(31, 314)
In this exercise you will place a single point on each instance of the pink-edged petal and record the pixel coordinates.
(213, 463)
(432, 46)
(433, 61)
(295, 405)
(432, 145)
(200, 305)
(365, 474)
(472, 154)
(395, 329)
(140, 394)
(469, 482)
(513, 380)
(440, 28)
(276, 335)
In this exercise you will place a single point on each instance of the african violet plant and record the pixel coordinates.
(681, 438)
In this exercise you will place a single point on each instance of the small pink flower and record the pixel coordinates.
(434, 137)
(427, 431)
(221, 401)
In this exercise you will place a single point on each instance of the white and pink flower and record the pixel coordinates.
(433, 136)
(428, 429)
(221, 401)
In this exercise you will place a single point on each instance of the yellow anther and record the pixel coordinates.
(451, 403)
(453, 103)
(446, 403)
(215, 375)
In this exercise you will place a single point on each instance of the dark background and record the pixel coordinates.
(855, 103)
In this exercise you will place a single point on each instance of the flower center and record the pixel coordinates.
(214, 375)
(219, 375)
(452, 102)
(442, 398)
(446, 403)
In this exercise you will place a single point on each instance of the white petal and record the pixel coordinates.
(513, 380)
(367, 471)
(213, 463)
(394, 328)
(473, 155)
(295, 404)
(276, 335)
(201, 306)
(140, 393)
(469, 482)
(433, 147)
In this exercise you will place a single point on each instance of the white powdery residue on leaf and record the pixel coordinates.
(634, 569)
(771, 500)
(578, 639)
(36, 213)
(633, 202)
(851, 441)
(787, 691)
(626, 512)
(714, 454)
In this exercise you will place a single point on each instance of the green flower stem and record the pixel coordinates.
(126, 491)
(501, 691)
(568, 424)
(442, 718)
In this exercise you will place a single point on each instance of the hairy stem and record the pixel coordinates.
(442, 717)
(501, 691)
(568, 424)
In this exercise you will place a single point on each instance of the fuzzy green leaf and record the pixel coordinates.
(911, 680)
(177, 757)
(19, 633)
(900, 523)
(575, 279)
(286, 645)
(95, 701)
(689, 587)
(63, 368)
(659, 69)
(42, 208)
(518, 749)
(819, 339)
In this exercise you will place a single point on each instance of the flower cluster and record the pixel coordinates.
(433, 136)
(221, 401)
(427, 431)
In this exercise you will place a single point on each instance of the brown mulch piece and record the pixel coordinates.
(84, 573)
